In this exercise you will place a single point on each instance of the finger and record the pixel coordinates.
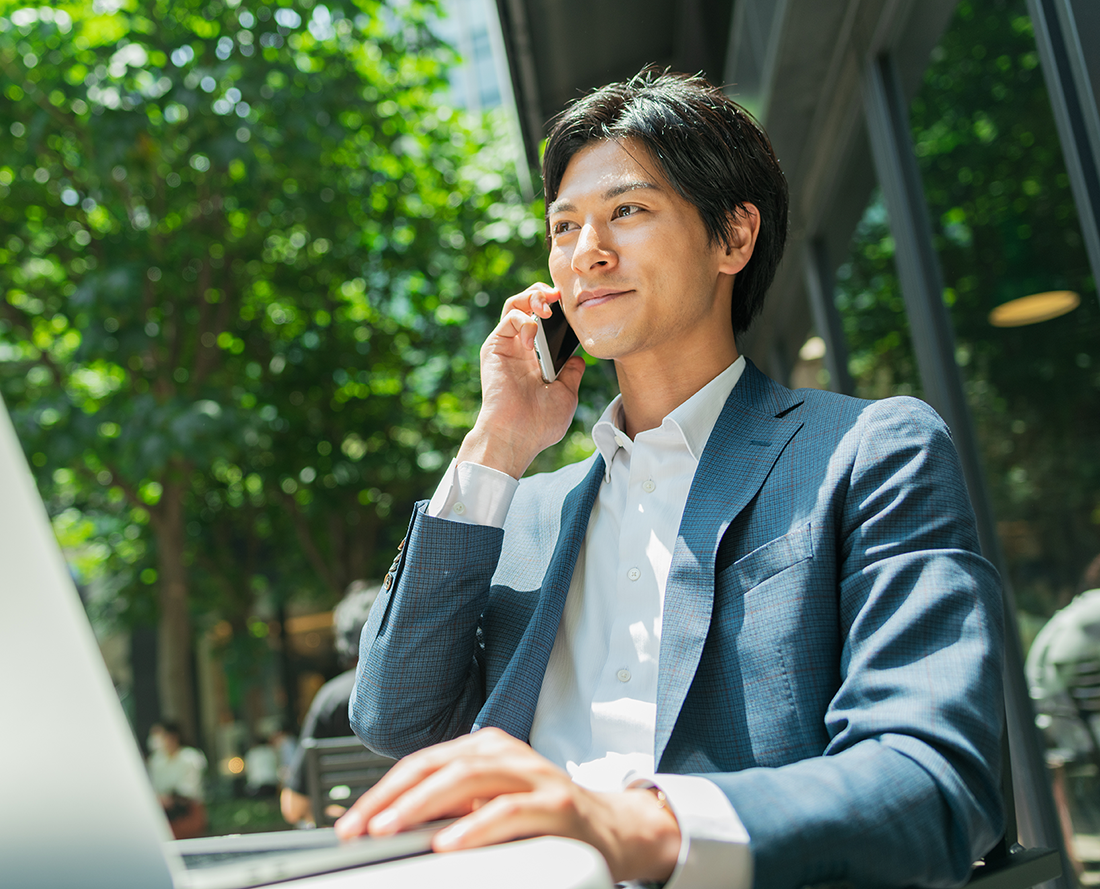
(516, 323)
(453, 790)
(571, 373)
(524, 301)
(406, 778)
(353, 823)
(513, 323)
(402, 777)
(541, 299)
(509, 817)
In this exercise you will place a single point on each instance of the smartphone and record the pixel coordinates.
(554, 342)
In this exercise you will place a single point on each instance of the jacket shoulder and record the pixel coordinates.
(894, 410)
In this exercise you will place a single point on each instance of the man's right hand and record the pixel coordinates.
(521, 415)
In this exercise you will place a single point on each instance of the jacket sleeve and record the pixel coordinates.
(419, 680)
(908, 789)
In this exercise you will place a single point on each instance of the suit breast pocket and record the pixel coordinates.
(768, 560)
(771, 637)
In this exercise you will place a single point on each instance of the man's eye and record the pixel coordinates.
(560, 228)
(627, 210)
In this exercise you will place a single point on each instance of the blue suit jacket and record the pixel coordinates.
(831, 644)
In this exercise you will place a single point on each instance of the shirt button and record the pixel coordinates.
(633, 573)
(623, 676)
(460, 508)
(649, 486)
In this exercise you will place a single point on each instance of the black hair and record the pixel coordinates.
(711, 151)
(173, 728)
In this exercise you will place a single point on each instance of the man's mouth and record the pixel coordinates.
(599, 295)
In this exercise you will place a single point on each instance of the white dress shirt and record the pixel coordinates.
(177, 773)
(596, 712)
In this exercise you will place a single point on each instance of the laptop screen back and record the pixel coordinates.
(76, 808)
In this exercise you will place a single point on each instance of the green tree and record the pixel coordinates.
(247, 256)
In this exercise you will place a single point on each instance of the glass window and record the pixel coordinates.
(1006, 229)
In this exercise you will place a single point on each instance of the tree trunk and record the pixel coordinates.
(174, 671)
(143, 661)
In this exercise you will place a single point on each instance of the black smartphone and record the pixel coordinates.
(554, 342)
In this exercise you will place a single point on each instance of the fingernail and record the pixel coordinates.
(449, 837)
(383, 821)
(349, 825)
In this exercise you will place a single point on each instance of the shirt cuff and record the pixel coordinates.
(714, 845)
(473, 495)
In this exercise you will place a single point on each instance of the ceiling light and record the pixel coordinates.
(1034, 308)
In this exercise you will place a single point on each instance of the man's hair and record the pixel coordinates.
(711, 151)
(349, 616)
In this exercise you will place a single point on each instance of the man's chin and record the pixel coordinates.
(607, 345)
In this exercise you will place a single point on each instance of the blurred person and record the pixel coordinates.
(751, 639)
(1070, 639)
(261, 769)
(1064, 654)
(176, 772)
(327, 716)
(286, 745)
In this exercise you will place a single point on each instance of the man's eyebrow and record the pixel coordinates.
(565, 206)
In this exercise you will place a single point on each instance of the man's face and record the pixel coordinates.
(637, 272)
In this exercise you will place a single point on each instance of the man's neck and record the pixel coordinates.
(653, 387)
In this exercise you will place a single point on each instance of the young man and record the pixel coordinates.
(751, 639)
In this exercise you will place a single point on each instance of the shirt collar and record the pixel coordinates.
(693, 420)
(609, 436)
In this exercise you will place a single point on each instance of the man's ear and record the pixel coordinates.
(744, 229)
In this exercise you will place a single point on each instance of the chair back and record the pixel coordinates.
(1008, 865)
(1082, 680)
(338, 772)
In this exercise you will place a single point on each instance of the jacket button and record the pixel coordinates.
(388, 582)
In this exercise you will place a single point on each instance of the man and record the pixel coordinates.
(752, 612)
(176, 772)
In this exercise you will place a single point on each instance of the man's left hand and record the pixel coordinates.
(501, 789)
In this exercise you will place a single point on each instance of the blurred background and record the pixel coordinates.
(249, 250)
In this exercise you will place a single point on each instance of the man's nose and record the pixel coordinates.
(592, 250)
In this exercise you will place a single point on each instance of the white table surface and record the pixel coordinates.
(543, 863)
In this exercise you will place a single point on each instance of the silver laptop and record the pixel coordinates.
(76, 807)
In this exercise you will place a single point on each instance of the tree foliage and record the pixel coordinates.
(1005, 226)
(246, 255)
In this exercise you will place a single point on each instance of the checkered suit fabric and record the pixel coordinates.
(831, 644)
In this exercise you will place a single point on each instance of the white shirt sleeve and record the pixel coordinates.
(473, 494)
(714, 845)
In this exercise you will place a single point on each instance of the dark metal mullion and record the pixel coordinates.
(1075, 113)
(819, 287)
(934, 344)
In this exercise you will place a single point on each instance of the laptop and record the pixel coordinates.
(76, 807)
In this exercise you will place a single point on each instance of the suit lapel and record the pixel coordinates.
(747, 440)
(511, 704)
